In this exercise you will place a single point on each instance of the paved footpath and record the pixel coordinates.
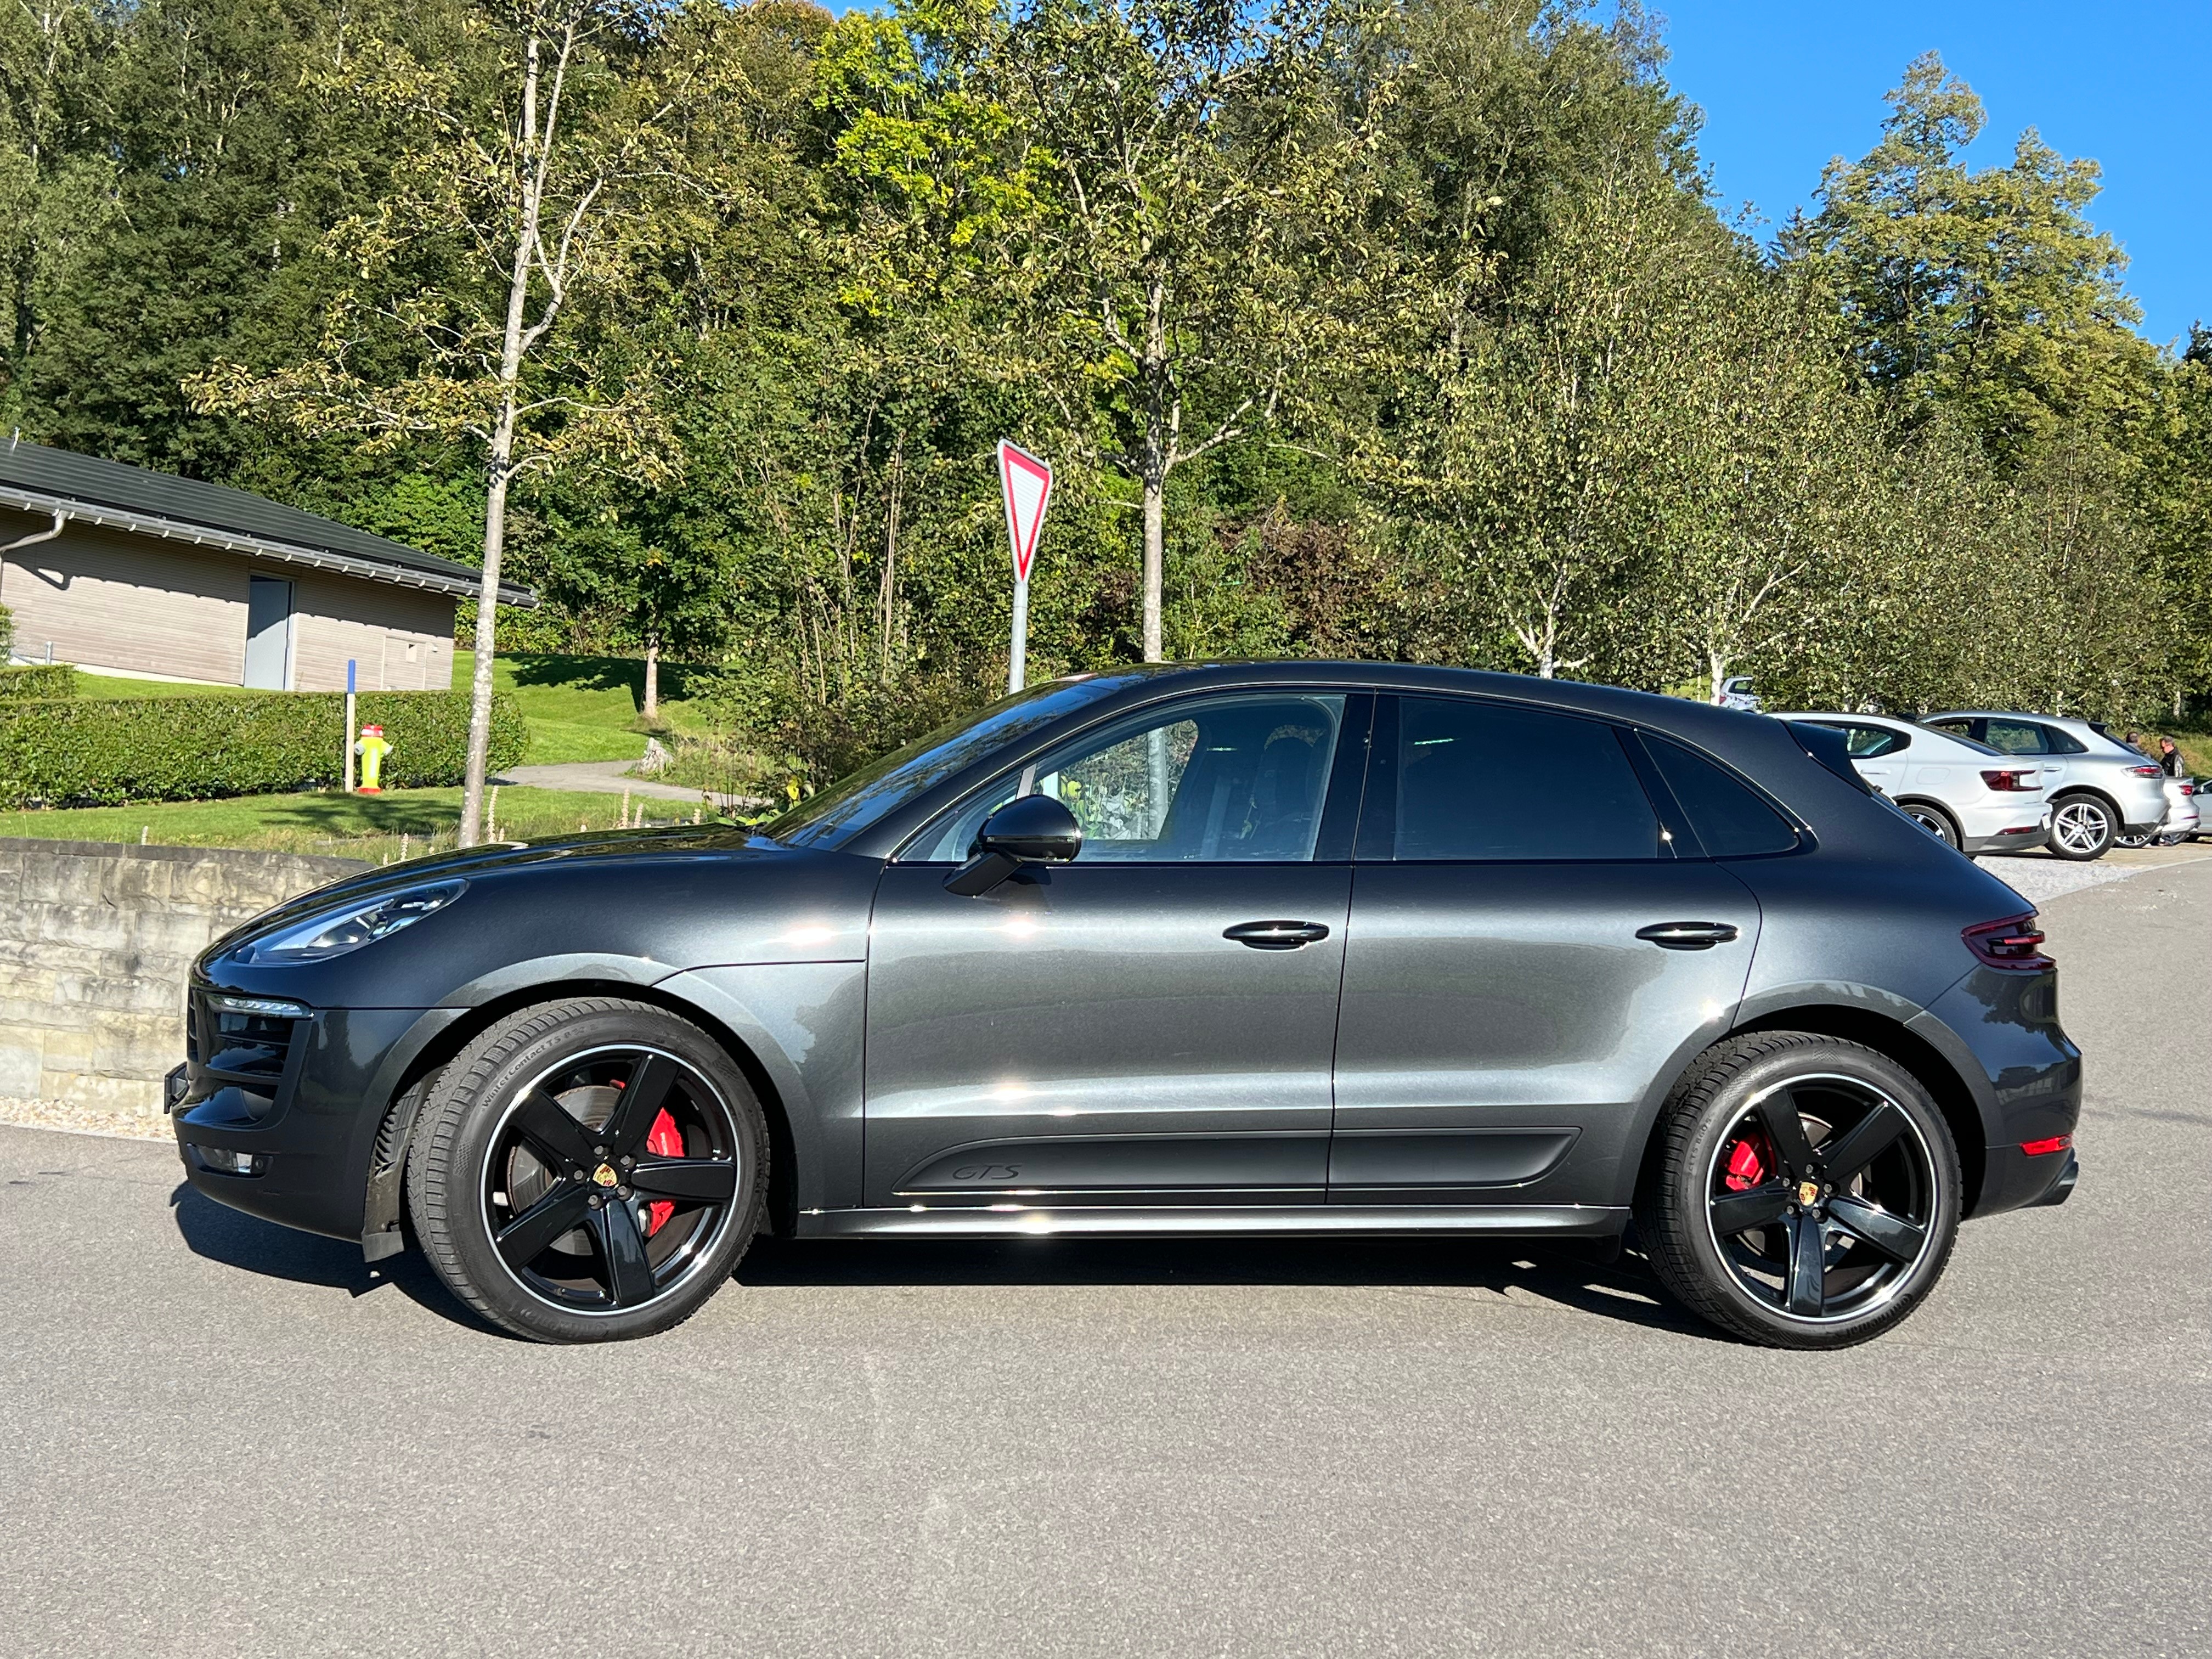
(222, 1438)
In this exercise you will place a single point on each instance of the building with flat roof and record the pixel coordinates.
(120, 570)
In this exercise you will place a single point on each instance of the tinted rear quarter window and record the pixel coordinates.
(1730, 819)
(1480, 780)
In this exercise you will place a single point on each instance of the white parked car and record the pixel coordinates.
(2100, 788)
(1974, 798)
(1735, 692)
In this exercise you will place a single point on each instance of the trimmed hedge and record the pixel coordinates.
(56, 679)
(102, 751)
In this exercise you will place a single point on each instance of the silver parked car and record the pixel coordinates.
(1958, 790)
(2099, 788)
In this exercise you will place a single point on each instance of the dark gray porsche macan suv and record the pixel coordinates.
(1289, 948)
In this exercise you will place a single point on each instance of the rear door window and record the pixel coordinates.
(2016, 738)
(1471, 781)
(1869, 742)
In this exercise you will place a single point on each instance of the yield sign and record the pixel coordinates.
(1027, 483)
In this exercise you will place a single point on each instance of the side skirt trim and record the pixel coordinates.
(1023, 1221)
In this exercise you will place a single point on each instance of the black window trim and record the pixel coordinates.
(1340, 802)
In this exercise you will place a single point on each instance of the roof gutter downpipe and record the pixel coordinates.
(61, 521)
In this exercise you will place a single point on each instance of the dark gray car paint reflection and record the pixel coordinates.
(1469, 1045)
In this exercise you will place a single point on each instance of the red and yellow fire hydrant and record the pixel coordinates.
(372, 748)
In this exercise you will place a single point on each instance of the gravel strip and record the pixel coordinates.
(83, 1120)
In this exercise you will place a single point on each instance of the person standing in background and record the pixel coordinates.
(2169, 757)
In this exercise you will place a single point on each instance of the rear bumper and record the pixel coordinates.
(2010, 840)
(2014, 1180)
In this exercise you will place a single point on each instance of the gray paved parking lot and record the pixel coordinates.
(218, 1438)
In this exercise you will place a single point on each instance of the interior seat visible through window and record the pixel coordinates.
(1237, 779)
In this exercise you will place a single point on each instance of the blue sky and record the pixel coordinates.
(1784, 86)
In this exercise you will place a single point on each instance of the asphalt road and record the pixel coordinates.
(217, 1437)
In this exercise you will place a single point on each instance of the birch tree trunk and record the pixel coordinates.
(529, 175)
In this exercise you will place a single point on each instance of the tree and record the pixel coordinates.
(1989, 292)
(504, 228)
(1198, 170)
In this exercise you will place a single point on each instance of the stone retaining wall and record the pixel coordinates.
(95, 940)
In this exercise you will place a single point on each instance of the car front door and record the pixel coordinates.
(1152, 1024)
(1528, 950)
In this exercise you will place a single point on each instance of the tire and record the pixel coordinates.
(665, 1154)
(1884, 1223)
(1936, 821)
(2082, 827)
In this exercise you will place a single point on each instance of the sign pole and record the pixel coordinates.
(1026, 483)
(349, 726)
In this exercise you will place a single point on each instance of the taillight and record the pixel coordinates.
(2016, 943)
(2187, 788)
(2010, 783)
(2044, 1148)
(2145, 772)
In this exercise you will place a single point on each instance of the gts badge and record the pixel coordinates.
(988, 1172)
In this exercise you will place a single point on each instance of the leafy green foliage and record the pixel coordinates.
(40, 680)
(1402, 331)
(101, 752)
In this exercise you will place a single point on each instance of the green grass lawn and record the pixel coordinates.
(582, 708)
(403, 822)
(114, 685)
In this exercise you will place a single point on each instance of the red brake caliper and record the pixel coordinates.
(663, 1140)
(1748, 1164)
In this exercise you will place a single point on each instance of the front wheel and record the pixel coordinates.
(2083, 828)
(1804, 1191)
(588, 1170)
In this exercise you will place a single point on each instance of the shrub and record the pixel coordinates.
(56, 679)
(101, 751)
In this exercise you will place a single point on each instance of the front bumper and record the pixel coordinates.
(299, 1107)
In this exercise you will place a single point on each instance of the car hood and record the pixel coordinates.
(628, 905)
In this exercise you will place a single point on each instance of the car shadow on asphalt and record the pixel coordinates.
(1620, 1290)
(216, 1233)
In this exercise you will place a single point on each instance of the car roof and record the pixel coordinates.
(2068, 721)
(1889, 720)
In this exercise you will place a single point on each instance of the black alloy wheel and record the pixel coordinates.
(2083, 828)
(588, 1170)
(1934, 820)
(1806, 1192)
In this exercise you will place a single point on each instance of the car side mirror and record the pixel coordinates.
(1034, 829)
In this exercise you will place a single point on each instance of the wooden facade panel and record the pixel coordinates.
(105, 598)
(401, 639)
(139, 605)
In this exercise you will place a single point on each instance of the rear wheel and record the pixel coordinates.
(2083, 828)
(1803, 1194)
(588, 1170)
(1934, 820)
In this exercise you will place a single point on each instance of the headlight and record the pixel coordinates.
(337, 932)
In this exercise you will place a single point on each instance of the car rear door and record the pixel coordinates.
(1152, 1024)
(1529, 951)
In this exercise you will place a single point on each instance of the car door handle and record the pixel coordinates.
(1276, 935)
(1687, 935)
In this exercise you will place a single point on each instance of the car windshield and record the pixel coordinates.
(853, 803)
